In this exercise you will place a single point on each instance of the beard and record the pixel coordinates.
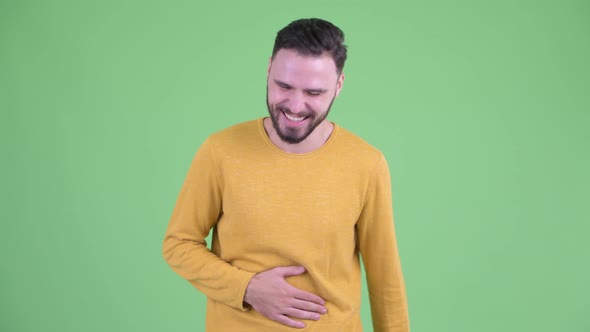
(294, 135)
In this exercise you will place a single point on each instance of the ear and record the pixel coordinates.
(339, 83)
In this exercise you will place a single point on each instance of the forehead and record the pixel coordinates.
(293, 68)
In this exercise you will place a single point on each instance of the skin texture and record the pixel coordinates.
(269, 293)
(301, 86)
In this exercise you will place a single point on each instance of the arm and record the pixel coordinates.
(378, 247)
(197, 209)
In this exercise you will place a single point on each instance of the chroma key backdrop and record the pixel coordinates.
(482, 109)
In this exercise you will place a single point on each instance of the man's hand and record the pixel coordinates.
(270, 295)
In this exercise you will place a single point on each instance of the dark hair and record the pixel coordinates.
(313, 36)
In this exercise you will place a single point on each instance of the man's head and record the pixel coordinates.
(304, 77)
(313, 37)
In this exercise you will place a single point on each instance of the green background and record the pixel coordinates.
(482, 109)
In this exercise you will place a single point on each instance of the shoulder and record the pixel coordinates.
(236, 137)
(243, 130)
(245, 139)
(354, 146)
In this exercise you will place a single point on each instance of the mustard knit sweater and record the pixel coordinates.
(268, 208)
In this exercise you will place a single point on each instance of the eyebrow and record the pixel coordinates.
(306, 90)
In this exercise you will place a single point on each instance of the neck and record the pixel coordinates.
(311, 143)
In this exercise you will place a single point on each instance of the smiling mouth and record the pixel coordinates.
(294, 118)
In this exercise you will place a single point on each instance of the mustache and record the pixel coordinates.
(285, 109)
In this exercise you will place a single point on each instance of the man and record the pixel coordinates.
(292, 200)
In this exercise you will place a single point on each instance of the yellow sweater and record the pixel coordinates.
(269, 208)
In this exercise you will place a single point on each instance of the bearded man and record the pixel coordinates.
(294, 201)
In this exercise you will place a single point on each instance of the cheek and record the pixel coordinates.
(320, 104)
(275, 96)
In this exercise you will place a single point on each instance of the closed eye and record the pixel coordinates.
(310, 92)
(314, 92)
(282, 85)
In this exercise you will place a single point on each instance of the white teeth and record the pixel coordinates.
(294, 118)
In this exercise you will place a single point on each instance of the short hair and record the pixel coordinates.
(313, 36)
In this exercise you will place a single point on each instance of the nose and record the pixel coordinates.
(297, 103)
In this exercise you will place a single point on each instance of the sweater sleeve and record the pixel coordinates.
(378, 247)
(198, 207)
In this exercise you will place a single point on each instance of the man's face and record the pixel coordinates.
(299, 93)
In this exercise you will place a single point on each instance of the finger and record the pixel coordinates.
(305, 296)
(308, 306)
(288, 321)
(302, 314)
(289, 271)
